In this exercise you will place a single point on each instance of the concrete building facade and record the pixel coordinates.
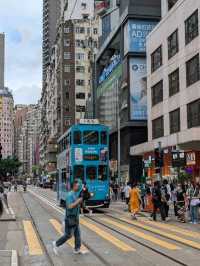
(2, 59)
(173, 84)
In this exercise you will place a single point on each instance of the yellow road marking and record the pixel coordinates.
(165, 234)
(174, 228)
(32, 239)
(107, 236)
(58, 228)
(152, 239)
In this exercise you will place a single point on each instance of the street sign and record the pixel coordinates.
(178, 158)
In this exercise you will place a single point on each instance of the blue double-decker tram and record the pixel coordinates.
(84, 155)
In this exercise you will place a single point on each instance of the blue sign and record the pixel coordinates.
(115, 60)
(135, 33)
(138, 89)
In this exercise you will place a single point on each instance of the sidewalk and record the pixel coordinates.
(8, 236)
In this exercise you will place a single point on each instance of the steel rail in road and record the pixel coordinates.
(61, 211)
(122, 234)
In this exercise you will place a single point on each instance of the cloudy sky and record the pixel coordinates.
(22, 23)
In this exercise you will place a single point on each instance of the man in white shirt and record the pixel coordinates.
(127, 189)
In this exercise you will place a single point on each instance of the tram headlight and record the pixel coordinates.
(91, 194)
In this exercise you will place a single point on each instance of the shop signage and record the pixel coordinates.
(115, 60)
(135, 34)
(190, 158)
(178, 159)
(138, 89)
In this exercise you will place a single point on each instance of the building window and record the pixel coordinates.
(95, 31)
(67, 55)
(80, 95)
(173, 44)
(83, 5)
(67, 82)
(174, 82)
(80, 69)
(67, 68)
(66, 42)
(193, 114)
(158, 128)
(80, 82)
(80, 56)
(67, 95)
(80, 30)
(156, 59)
(80, 108)
(192, 70)
(174, 120)
(191, 27)
(157, 93)
(66, 30)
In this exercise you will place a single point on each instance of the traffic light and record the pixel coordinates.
(159, 158)
(0, 151)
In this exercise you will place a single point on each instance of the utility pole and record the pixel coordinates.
(160, 151)
(118, 135)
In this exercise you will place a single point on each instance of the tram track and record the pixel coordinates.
(61, 211)
(156, 251)
(50, 261)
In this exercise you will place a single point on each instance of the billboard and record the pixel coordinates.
(135, 33)
(138, 88)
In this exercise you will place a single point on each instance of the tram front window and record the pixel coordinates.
(104, 137)
(91, 173)
(90, 137)
(79, 172)
(77, 137)
(102, 174)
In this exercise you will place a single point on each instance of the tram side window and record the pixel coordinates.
(79, 172)
(91, 137)
(77, 137)
(64, 176)
(104, 137)
(102, 174)
(91, 172)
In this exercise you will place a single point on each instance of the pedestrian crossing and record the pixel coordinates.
(188, 238)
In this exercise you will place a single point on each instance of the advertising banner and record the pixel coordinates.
(135, 34)
(138, 89)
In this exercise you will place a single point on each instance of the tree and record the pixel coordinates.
(9, 165)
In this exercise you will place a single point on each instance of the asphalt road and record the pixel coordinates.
(110, 236)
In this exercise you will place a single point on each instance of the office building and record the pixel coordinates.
(173, 88)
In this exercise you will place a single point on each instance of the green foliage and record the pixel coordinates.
(182, 176)
(9, 165)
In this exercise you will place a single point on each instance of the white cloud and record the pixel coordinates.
(22, 23)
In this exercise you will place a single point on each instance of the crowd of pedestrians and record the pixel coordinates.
(160, 197)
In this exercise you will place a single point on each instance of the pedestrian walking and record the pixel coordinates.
(115, 191)
(73, 201)
(135, 201)
(157, 201)
(127, 193)
(174, 198)
(181, 208)
(166, 195)
(1, 199)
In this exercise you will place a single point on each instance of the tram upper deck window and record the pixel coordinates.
(79, 172)
(91, 137)
(91, 172)
(104, 137)
(77, 137)
(102, 174)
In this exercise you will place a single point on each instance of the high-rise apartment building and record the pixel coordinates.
(51, 15)
(6, 122)
(173, 89)
(2, 55)
(6, 108)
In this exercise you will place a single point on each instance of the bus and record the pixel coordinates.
(84, 154)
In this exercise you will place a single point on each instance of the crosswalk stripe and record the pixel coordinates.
(173, 228)
(58, 228)
(32, 239)
(165, 234)
(152, 239)
(107, 236)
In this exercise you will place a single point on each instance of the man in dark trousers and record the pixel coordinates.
(73, 201)
(157, 201)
